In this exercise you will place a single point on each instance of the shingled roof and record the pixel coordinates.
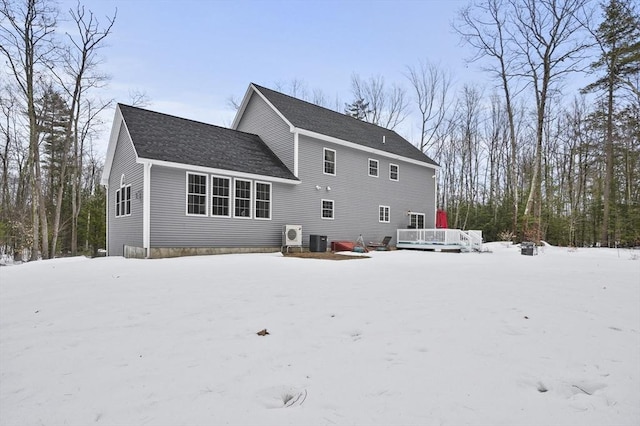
(314, 118)
(163, 137)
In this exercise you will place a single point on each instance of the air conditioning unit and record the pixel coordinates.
(292, 235)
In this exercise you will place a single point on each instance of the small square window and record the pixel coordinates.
(327, 209)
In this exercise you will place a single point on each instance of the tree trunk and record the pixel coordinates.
(608, 179)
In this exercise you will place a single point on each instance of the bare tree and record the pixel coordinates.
(549, 45)
(430, 87)
(294, 87)
(139, 98)
(81, 67)
(26, 43)
(484, 27)
(387, 107)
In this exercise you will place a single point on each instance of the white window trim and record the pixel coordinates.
(231, 194)
(255, 197)
(388, 211)
(333, 209)
(397, 173)
(122, 203)
(335, 161)
(418, 214)
(377, 167)
(206, 195)
(250, 198)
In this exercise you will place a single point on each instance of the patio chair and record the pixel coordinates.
(383, 245)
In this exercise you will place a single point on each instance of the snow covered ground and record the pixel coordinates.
(402, 338)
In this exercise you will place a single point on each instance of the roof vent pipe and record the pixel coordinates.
(384, 138)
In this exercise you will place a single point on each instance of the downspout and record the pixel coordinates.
(295, 153)
(435, 197)
(146, 210)
(106, 212)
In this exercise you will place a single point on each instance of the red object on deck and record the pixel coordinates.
(342, 245)
(441, 219)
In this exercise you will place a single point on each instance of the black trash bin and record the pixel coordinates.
(317, 243)
(527, 248)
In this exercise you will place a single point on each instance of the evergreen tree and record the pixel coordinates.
(618, 37)
(53, 121)
(359, 109)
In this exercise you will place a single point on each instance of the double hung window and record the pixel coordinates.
(196, 194)
(373, 167)
(220, 196)
(263, 200)
(329, 161)
(394, 172)
(327, 209)
(242, 199)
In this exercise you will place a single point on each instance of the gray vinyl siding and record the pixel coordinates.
(172, 227)
(260, 119)
(125, 230)
(357, 196)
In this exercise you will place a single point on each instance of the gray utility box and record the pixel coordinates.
(317, 243)
(527, 248)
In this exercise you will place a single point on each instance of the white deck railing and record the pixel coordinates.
(444, 238)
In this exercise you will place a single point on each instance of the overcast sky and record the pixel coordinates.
(190, 57)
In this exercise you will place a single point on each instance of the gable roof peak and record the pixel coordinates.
(314, 118)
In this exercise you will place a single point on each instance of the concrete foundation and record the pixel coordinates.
(165, 252)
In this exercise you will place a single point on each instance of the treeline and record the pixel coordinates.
(536, 156)
(543, 158)
(51, 202)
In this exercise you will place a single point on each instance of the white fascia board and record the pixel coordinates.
(213, 170)
(111, 148)
(364, 148)
(118, 122)
(243, 106)
(245, 102)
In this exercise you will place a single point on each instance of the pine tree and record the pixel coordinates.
(359, 109)
(618, 37)
(53, 122)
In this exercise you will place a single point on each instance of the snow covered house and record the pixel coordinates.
(179, 187)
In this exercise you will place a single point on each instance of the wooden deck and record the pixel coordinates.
(439, 240)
